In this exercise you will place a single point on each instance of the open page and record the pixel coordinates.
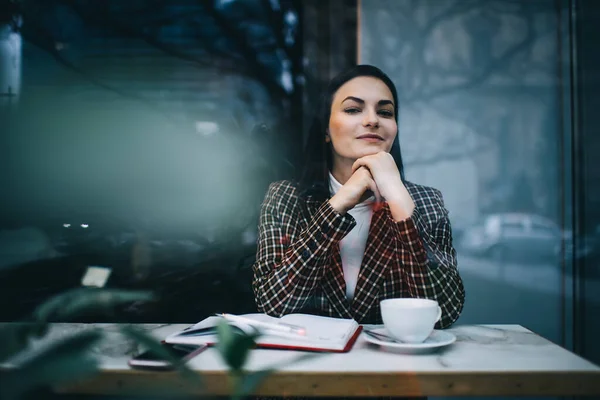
(322, 333)
(323, 329)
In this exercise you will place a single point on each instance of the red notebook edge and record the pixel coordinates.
(346, 349)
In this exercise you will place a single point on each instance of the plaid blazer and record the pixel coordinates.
(298, 266)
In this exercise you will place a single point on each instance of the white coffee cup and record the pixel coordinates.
(410, 320)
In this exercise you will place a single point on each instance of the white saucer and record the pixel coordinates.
(437, 339)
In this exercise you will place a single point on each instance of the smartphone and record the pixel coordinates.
(149, 360)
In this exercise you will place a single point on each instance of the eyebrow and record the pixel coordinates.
(361, 101)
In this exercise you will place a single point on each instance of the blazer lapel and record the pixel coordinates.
(378, 257)
(334, 285)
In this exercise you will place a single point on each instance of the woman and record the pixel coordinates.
(351, 231)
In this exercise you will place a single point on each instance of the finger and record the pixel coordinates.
(378, 197)
(373, 187)
(361, 162)
(379, 201)
(365, 173)
(357, 164)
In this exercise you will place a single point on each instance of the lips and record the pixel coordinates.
(370, 136)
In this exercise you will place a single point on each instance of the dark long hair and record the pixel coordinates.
(313, 177)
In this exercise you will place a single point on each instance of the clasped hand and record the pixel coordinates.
(376, 173)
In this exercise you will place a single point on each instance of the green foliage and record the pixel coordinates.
(250, 381)
(87, 301)
(9, 12)
(64, 360)
(15, 337)
(149, 342)
(69, 359)
(234, 345)
(67, 306)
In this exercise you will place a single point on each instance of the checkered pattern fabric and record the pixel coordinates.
(298, 266)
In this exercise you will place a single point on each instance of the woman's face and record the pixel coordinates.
(362, 120)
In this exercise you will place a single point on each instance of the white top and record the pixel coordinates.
(352, 247)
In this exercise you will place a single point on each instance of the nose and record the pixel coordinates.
(371, 119)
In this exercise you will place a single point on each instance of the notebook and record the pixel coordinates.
(322, 334)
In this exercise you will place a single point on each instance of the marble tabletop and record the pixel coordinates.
(484, 360)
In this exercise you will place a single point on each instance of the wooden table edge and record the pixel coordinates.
(353, 384)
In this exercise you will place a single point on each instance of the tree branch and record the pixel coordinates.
(493, 66)
(42, 39)
(104, 20)
(275, 20)
(448, 156)
(250, 55)
(48, 47)
(459, 7)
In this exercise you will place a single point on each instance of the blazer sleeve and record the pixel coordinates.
(429, 264)
(287, 270)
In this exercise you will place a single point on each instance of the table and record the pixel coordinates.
(486, 360)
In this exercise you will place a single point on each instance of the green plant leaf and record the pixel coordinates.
(250, 381)
(66, 360)
(224, 332)
(151, 343)
(14, 337)
(234, 346)
(86, 301)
